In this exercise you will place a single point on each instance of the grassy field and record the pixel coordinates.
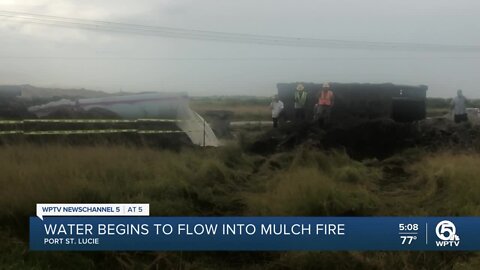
(243, 108)
(229, 181)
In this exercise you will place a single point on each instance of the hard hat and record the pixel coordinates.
(326, 85)
(300, 87)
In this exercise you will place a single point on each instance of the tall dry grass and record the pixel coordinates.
(316, 183)
(448, 184)
(192, 182)
(227, 181)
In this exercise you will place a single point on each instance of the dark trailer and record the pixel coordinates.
(360, 101)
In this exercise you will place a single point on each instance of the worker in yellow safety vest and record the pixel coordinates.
(300, 100)
(326, 101)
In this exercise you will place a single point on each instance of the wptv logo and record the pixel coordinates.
(447, 233)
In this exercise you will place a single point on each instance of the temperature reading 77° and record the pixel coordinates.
(408, 233)
(408, 239)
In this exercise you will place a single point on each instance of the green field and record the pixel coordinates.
(243, 108)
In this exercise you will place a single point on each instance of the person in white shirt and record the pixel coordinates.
(459, 107)
(277, 109)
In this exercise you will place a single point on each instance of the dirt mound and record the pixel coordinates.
(441, 132)
(378, 138)
(30, 91)
(12, 109)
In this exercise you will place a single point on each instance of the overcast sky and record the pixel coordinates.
(68, 57)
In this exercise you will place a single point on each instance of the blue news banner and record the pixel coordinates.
(254, 233)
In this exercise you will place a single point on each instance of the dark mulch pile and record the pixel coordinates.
(379, 138)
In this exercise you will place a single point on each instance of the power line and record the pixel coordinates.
(126, 58)
(180, 33)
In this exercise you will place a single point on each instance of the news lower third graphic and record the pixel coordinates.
(112, 227)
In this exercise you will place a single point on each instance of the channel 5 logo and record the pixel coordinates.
(447, 233)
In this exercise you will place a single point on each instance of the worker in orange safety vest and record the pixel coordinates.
(326, 101)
